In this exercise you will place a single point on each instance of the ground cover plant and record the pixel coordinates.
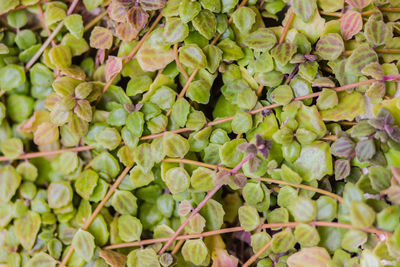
(200, 133)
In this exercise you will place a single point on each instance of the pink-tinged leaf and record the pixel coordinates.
(101, 38)
(359, 4)
(116, 12)
(310, 257)
(152, 59)
(138, 18)
(342, 169)
(113, 66)
(45, 134)
(393, 193)
(221, 258)
(350, 24)
(126, 32)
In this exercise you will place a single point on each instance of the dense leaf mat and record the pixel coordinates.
(220, 133)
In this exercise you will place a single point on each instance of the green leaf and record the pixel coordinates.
(231, 51)
(375, 31)
(135, 122)
(380, 177)
(83, 243)
(262, 39)
(214, 213)
(139, 178)
(282, 53)
(326, 208)
(243, 19)
(303, 209)
(177, 180)
(41, 259)
(259, 240)
(327, 99)
(124, 202)
(180, 111)
(242, 122)
(306, 235)
(59, 194)
(74, 24)
(312, 257)
(143, 157)
(205, 23)
(106, 163)
(253, 193)
(194, 251)
(361, 215)
(175, 30)
(26, 229)
(350, 106)
(249, 218)
(11, 76)
(290, 176)
(228, 154)
(86, 183)
(61, 56)
(175, 146)
(304, 8)
(192, 56)
(314, 162)
(282, 95)
(202, 179)
(353, 239)
(282, 241)
(129, 228)
(188, 10)
(361, 57)
(12, 148)
(196, 224)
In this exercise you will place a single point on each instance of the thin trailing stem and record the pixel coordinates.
(257, 254)
(216, 122)
(42, 20)
(97, 210)
(209, 195)
(51, 37)
(95, 20)
(178, 63)
(269, 180)
(287, 27)
(131, 54)
(239, 229)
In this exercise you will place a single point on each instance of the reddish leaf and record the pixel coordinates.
(138, 18)
(101, 38)
(126, 32)
(359, 4)
(113, 66)
(350, 24)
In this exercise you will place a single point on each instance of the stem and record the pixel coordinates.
(130, 56)
(50, 38)
(202, 204)
(216, 122)
(257, 254)
(287, 26)
(259, 90)
(95, 20)
(269, 180)
(239, 229)
(42, 20)
(194, 212)
(97, 210)
(178, 63)
(50, 153)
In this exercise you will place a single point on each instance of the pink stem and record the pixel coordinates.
(201, 205)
